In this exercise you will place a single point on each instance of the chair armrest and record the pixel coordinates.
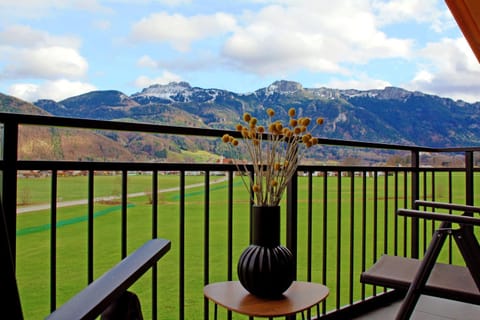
(439, 216)
(445, 205)
(92, 301)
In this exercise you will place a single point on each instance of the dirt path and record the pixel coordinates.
(85, 201)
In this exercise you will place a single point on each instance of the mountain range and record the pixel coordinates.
(389, 115)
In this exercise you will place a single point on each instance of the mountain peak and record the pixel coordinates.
(285, 87)
(99, 97)
(394, 93)
(172, 87)
(387, 93)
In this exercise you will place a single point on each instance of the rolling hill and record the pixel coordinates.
(390, 115)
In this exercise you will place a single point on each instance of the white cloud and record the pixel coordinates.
(410, 10)
(29, 53)
(38, 8)
(147, 62)
(319, 36)
(165, 78)
(23, 36)
(200, 61)
(179, 30)
(55, 90)
(452, 71)
(423, 76)
(45, 63)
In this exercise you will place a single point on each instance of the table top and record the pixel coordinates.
(299, 297)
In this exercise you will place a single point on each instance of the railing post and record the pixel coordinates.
(11, 301)
(469, 177)
(9, 180)
(415, 196)
(292, 217)
(292, 222)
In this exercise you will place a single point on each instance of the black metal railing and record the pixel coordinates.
(338, 218)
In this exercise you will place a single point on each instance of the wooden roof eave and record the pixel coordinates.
(467, 16)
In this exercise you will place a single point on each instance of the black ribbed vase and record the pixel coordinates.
(265, 268)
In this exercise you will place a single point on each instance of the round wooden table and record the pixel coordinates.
(298, 298)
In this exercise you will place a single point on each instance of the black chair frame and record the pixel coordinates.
(94, 298)
(427, 276)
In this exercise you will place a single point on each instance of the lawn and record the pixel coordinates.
(33, 236)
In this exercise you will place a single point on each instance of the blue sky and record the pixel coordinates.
(54, 49)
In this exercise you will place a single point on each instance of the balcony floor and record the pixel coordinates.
(429, 308)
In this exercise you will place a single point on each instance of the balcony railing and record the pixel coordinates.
(337, 219)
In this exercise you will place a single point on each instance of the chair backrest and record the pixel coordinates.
(10, 301)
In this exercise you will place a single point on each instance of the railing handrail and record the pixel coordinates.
(28, 119)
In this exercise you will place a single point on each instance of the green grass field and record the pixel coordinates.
(33, 236)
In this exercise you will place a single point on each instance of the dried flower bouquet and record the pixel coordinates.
(275, 152)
